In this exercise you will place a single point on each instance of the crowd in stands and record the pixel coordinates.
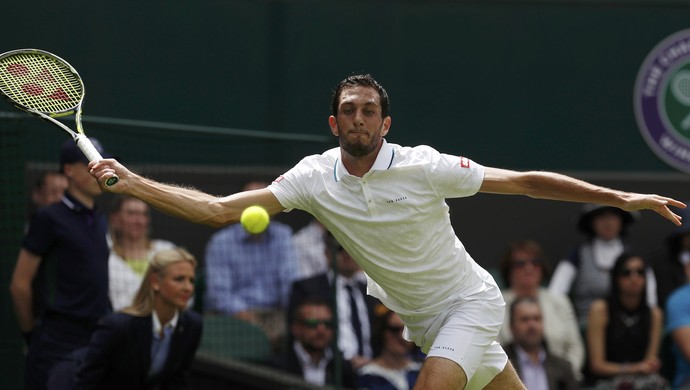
(607, 317)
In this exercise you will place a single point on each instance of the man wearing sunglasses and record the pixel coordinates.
(310, 356)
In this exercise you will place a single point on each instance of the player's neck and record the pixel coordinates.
(358, 166)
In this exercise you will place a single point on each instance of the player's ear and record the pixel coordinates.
(333, 124)
(386, 125)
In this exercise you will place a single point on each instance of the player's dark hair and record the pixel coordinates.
(363, 80)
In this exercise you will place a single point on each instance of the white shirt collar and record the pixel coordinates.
(157, 327)
(384, 160)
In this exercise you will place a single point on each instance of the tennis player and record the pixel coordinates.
(385, 204)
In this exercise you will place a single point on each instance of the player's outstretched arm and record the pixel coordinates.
(186, 203)
(549, 185)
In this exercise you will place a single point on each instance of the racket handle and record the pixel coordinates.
(92, 154)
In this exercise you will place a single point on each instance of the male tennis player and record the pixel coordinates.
(386, 205)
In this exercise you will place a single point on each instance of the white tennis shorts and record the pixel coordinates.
(466, 334)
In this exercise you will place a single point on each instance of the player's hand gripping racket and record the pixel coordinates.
(45, 85)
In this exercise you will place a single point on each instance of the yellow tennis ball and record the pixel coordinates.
(255, 219)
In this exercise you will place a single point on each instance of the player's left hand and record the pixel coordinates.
(658, 204)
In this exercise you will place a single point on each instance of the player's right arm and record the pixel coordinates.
(186, 203)
(20, 288)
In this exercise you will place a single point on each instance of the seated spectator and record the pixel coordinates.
(584, 274)
(249, 275)
(131, 248)
(536, 366)
(670, 271)
(311, 249)
(624, 333)
(393, 368)
(356, 309)
(678, 325)
(523, 268)
(310, 356)
(152, 343)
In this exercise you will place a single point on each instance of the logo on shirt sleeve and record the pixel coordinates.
(464, 162)
(279, 179)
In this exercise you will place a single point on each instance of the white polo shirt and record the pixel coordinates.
(394, 221)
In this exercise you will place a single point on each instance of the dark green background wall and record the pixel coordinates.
(522, 84)
(518, 84)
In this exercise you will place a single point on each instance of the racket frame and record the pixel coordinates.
(79, 137)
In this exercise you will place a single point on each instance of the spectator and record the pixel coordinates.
(311, 249)
(60, 282)
(536, 366)
(131, 248)
(310, 355)
(678, 323)
(584, 274)
(393, 368)
(150, 344)
(356, 309)
(624, 332)
(523, 268)
(249, 275)
(48, 189)
(670, 271)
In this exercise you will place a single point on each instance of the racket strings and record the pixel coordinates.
(39, 82)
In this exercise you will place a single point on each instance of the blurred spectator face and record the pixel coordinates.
(132, 219)
(313, 327)
(527, 325)
(525, 270)
(175, 285)
(631, 278)
(392, 336)
(52, 188)
(607, 225)
(347, 266)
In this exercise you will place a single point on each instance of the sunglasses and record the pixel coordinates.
(523, 263)
(313, 323)
(629, 271)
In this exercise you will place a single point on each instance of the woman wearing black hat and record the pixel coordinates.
(584, 274)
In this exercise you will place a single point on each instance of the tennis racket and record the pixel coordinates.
(46, 86)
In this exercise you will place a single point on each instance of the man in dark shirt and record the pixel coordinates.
(60, 282)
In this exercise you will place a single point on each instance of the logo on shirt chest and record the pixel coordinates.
(396, 200)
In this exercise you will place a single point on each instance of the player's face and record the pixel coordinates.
(133, 219)
(359, 125)
(527, 325)
(176, 285)
(314, 327)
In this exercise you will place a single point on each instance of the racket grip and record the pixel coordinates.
(92, 154)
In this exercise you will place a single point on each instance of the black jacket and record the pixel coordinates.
(119, 354)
